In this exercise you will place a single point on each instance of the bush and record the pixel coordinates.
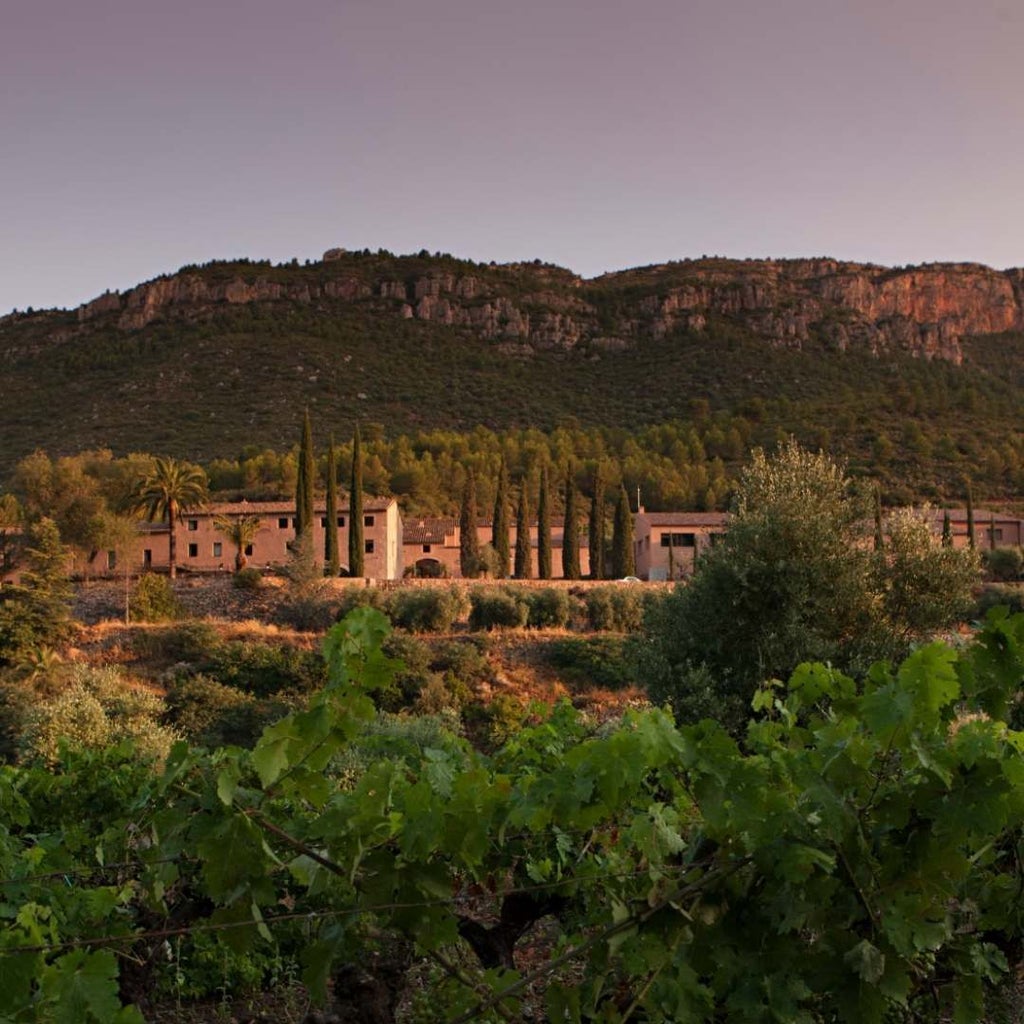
(97, 709)
(993, 595)
(412, 675)
(549, 608)
(350, 598)
(249, 578)
(266, 669)
(211, 714)
(491, 607)
(153, 600)
(618, 609)
(414, 740)
(191, 642)
(1003, 564)
(433, 610)
(311, 609)
(604, 661)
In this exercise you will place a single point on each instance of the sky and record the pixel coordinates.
(139, 136)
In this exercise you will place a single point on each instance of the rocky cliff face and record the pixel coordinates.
(925, 310)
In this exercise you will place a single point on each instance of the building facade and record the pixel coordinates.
(203, 547)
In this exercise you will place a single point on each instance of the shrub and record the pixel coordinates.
(433, 610)
(211, 714)
(615, 608)
(414, 672)
(604, 661)
(249, 578)
(191, 642)
(464, 659)
(311, 609)
(993, 595)
(491, 607)
(549, 608)
(1003, 564)
(362, 597)
(153, 600)
(98, 708)
(266, 669)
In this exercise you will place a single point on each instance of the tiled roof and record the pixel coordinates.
(683, 518)
(281, 508)
(428, 531)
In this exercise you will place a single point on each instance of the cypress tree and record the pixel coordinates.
(305, 481)
(543, 528)
(596, 539)
(356, 544)
(469, 545)
(947, 530)
(879, 536)
(992, 532)
(623, 562)
(570, 531)
(523, 562)
(331, 554)
(970, 517)
(499, 528)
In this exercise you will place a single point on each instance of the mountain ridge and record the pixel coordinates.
(212, 359)
(925, 310)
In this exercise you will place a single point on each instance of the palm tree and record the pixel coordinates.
(241, 531)
(166, 493)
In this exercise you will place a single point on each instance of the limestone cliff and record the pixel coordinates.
(926, 310)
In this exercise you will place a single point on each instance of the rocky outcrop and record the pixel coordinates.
(925, 310)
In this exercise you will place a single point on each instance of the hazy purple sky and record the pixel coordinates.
(139, 136)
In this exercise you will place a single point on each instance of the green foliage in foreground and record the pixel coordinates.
(858, 854)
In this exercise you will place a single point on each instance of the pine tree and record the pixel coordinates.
(469, 544)
(305, 480)
(36, 613)
(947, 530)
(596, 539)
(623, 561)
(570, 529)
(499, 527)
(543, 528)
(356, 543)
(332, 556)
(970, 516)
(523, 562)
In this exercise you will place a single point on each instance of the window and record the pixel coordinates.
(147, 558)
(323, 522)
(111, 559)
(295, 523)
(679, 540)
(367, 520)
(282, 523)
(193, 524)
(368, 547)
(426, 549)
(341, 520)
(218, 549)
(994, 534)
(248, 549)
(193, 551)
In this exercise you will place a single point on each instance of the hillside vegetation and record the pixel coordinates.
(213, 359)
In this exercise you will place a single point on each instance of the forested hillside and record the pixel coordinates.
(886, 368)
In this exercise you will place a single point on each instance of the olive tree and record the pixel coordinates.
(796, 579)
